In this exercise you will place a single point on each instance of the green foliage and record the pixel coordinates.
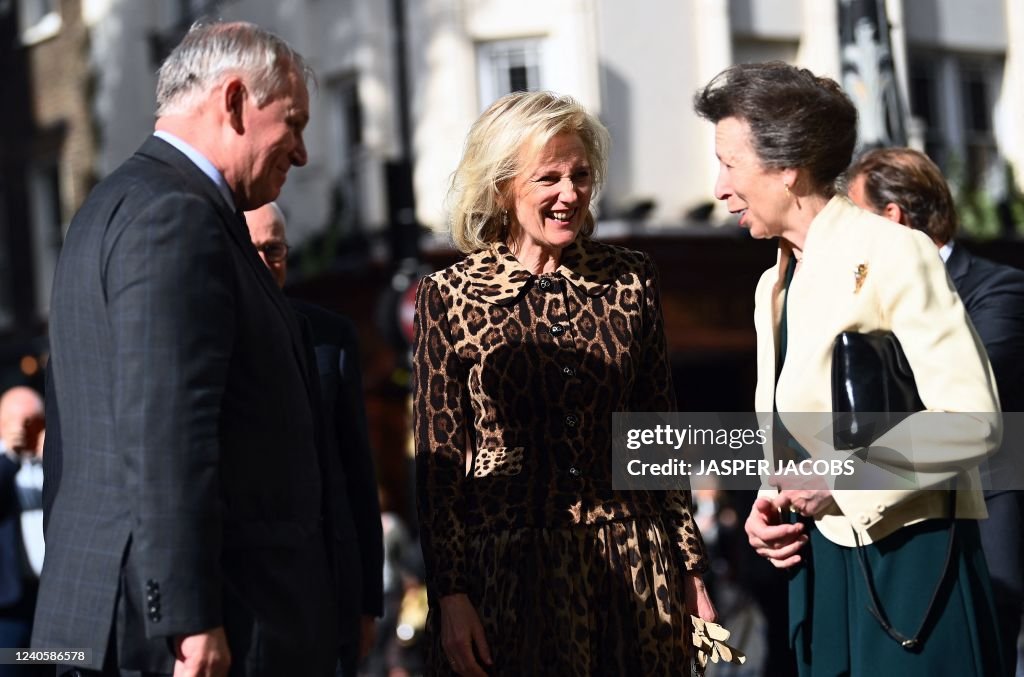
(978, 212)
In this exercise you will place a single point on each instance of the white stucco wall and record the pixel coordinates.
(636, 64)
(446, 100)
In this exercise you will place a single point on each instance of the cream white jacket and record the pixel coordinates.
(861, 272)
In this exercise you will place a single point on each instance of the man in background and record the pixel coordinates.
(905, 186)
(188, 527)
(21, 526)
(358, 529)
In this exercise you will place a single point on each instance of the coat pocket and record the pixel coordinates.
(498, 462)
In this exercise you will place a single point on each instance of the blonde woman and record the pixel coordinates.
(523, 351)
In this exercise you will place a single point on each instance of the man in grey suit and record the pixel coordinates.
(188, 525)
(358, 528)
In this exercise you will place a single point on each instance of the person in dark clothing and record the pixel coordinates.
(905, 186)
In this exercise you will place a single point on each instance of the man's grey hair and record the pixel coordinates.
(211, 51)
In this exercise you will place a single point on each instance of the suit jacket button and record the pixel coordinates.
(544, 284)
(864, 519)
(557, 330)
(572, 421)
(575, 472)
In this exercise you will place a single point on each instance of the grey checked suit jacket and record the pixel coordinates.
(184, 485)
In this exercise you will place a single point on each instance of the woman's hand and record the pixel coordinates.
(462, 636)
(806, 502)
(779, 543)
(698, 601)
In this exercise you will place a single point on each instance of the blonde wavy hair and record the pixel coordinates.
(501, 143)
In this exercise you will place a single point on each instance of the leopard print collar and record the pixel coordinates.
(496, 276)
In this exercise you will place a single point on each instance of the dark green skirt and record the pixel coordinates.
(833, 633)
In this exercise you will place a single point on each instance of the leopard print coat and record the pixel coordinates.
(515, 379)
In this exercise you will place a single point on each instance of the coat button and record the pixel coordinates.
(571, 420)
(568, 372)
(557, 330)
(545, 284)
(574, 471)
(864, 519)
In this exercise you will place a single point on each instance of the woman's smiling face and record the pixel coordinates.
(756, 193)
(552, 196)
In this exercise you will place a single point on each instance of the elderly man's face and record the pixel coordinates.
(274, 143)
(266, 229)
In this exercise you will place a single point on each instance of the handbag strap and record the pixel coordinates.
(875, 607)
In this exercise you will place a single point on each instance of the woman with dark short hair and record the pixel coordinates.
(783, 136)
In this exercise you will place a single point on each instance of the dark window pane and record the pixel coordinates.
(922, 93)
(518, 79)
(976, 100)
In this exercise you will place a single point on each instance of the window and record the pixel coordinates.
(45, 211)
(345, 160)
(506, 66)
(752, 50)
(922, 92)
(924, 97)
(38, 20)
(189, 11)
(979, 80)
(977, 106)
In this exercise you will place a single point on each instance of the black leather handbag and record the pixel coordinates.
(873, 387)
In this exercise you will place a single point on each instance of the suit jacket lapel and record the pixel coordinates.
(234, 223)
(958, 264)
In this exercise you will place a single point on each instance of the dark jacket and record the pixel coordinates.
(357, 526)
(184, 483)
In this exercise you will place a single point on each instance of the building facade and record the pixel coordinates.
(400, 82)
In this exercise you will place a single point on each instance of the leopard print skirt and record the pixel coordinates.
(603, 599)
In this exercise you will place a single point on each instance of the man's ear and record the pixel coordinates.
(235, 99)
(893, 212)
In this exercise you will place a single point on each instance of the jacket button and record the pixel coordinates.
(571, 420)
(557, 330)
(864, 519)
(574, 471)
(545, 284)
(568, 372)
(880, 508)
